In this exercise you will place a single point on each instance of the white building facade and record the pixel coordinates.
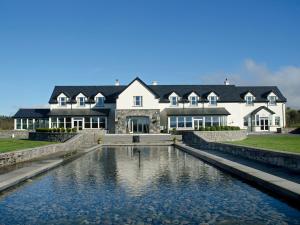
(141, 108)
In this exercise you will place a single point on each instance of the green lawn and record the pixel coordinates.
(275, 142)
(7, 145)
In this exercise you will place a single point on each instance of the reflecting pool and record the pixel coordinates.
(141, 185)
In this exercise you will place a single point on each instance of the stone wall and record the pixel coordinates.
(290, 161)
(217, 136)
(78, 142)
(19, 134)
(54, 137)
(121, 119)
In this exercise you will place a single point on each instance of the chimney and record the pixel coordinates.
(226, 82)
(117, 83)
(154, 82)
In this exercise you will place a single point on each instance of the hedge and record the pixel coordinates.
(219, 128)
(56, 130)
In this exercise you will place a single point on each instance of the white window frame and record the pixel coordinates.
(249, 100)
(172, 100)
(98, 101)
(79, 101)
(193, 101)
(271, 102)
(210, 100)
(135, 101)
(60, 102)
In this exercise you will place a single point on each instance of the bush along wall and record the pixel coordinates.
(219, 128)
(56, 130)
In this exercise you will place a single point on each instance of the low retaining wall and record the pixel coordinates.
(78, 142)
(290, 161)
(143, 138)
(216, 136)
(54, 137)
(18, 134)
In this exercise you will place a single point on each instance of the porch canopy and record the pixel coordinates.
(197, 112)
(78, 112)
(262, 108)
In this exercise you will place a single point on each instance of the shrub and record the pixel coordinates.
(218, 128)
(69, 130)
(62, 130)
(74, 130)
(213, 128)
(201, 129)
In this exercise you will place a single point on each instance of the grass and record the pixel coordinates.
(7, 145)
(274, 142)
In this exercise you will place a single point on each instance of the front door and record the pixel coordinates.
(77, 123)
(138, 124)
(264, 124)
(198, 123)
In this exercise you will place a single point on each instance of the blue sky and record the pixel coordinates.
(59, 42)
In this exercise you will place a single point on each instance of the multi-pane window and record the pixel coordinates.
(249, 100)
(81, 101)
(100, 101)
(272, 100)
(173, 122)
(257, 120)
(277, 121)
(213, 100)
(180, 121)
(188, 121)
(193, 100)
(137, 100)
(174, 101)
(62, 101)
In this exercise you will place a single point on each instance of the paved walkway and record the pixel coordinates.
(14, 175)
(274, 170)
(276, 184)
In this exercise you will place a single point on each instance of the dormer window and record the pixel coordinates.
(99, 101)
(193, 101)
(272, 100)
(81, 101)
(249, 100)
(62, 101)
(212, 100)
(174, 101)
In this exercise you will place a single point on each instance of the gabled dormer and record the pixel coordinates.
(99, 100)
(174, 99)
(81, 99)
(193, 98)
(249, 98)
(272, 98)
(62, 99)
(212, 98)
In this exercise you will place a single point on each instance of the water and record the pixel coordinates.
(161, 186)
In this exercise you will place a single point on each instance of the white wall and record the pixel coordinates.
(125, 99)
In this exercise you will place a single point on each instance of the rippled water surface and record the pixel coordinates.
(159, 185)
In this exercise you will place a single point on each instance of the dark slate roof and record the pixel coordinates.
(32, 113)
(196, 111)
(79, 112)
(226, 93)
(260, 108)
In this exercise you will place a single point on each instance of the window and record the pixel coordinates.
(174, 101)
(257, 120)
(81, 101)
(68, 122)
(213, 100)
(100, 101)
(87, 122)
(180, 121)
(277, 121)
(102, 122)
(215, 120)
(173, 122)
(24, 123)
(188, 121)
(137, 100)
(208, 121)
(61, 122)
(62, 101)
(245, 122)
(94, 122)
(272, 100)
(193, 100)
(19, 124)
(249, 100)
